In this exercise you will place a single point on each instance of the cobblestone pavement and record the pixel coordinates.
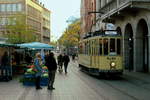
(77, 85)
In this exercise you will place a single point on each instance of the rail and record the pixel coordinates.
(115, 4)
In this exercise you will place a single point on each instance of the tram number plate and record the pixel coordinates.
(111, 58)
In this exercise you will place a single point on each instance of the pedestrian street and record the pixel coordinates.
(77, 85)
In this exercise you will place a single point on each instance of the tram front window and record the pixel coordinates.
(100, 47)
(112, 47)
(118, 46)
(105, 41)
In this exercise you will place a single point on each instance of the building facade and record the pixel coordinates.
(37, 16)
(132, 20)
(88, 18)
(46, 25)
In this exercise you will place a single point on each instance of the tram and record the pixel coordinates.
(100, 52)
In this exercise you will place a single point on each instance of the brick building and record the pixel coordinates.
(88, 18)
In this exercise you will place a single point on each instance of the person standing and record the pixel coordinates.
(28, 58)
(73, 57)
(38, 67)
(5, 63)
(60, 60)
(51, 64)
(66, 60)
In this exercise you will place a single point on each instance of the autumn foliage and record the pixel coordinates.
(19, 31)
(71, 36)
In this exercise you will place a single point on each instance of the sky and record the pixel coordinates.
(61, 11)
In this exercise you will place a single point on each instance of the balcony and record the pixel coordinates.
(121, 8)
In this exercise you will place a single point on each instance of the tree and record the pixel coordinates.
(53, 43)
(18, 31)
(70, 37)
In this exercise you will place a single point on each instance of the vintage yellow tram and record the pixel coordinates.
(101, 53)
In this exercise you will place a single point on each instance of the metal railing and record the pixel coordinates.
(110, 6)
(114, 4)
(120, 2)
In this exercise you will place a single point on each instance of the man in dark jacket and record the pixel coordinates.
(50, 62)
(66, 61)
(60, 60)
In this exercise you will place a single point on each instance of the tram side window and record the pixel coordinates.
(88, 47)
(92, 48)
(118, 46)
(100, 47)
(97, 46)
(84, 52)
(80, 48)
(85, 48)
(105, 41)
(112, 47)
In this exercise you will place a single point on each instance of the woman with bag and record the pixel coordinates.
(38, 67)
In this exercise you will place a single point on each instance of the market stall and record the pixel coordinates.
(6, 61)
(28, 78)
(24, 56)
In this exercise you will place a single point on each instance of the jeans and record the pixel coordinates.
(37, 81)
(6, 71)
(65, 66)
(51, 78)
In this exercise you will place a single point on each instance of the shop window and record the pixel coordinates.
(3, 7)
(8, 7)
(14, 7)
(19, 7)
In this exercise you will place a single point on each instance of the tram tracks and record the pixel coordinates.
(106, 82)
(123, 92)
(93, 88)
(136, 82)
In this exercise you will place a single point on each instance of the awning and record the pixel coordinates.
(8, 45)
(35, 45)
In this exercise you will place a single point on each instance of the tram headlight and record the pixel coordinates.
(112, 64)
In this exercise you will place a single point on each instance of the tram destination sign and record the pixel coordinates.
(110, 26)
(110, 29)
(110, 32)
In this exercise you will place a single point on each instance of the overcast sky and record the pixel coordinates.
(61, 10)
